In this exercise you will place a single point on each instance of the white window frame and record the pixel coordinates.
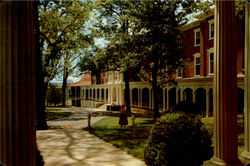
(211, 50)
(181, 70)
(197, 55)
(195, 31)
(210, 24)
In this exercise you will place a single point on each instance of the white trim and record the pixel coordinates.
(210, 23)
(197, 55)
(209, 51)
(181, 70)
(195, 31)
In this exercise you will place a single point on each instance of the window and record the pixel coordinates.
(179, 73)
(197, 37)
(211, 29)
(211, 60)
(197, 64)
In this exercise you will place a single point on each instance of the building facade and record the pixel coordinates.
(194, 81)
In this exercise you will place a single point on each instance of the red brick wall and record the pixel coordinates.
(205, 44)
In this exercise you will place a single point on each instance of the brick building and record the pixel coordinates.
(195, 80)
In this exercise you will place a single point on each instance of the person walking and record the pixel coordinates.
(123, 121)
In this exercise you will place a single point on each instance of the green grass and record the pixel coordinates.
(131, 139)
(56, 115)
(209, 122)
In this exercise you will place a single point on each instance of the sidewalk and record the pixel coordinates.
(71, 145)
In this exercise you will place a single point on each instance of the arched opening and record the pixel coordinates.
(107, 94)
(145, 97)
(160, 98)
(240, 101)
(135, 97)
(188, 95)
(87, 94)
(179, 96)
(172, 97)
(78, 90)
(201, 99)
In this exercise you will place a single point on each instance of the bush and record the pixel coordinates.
(177, 140)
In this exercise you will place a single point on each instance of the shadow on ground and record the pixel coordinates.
(78, 147)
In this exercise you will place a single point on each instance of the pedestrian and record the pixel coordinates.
(123, 121)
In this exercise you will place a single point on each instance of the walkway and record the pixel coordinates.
(72, 145)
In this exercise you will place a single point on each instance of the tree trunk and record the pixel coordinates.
(127, 92)
(41, 87)
(155, 89)
(64, 85)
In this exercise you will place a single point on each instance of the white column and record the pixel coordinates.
(207, 102)
(194, 95)
(121, 96)
(164, 99)
(117, 95)
(225, 87)
(92, 94)
(246, 153)
(181, 97)
(111, 95)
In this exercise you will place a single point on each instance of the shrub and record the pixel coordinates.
(177, 140)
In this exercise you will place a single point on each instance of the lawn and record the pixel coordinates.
(132, 139)
(56, 114)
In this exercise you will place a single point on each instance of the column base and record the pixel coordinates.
(219, 162)
(245, 157)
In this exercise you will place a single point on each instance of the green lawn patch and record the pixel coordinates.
(56, 115)
(131, 139)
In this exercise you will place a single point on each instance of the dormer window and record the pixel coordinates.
(211, 29)
(197, 64)
(197, 37)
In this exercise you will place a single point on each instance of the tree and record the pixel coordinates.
(121, 54)
(54, 95)
(159, 22)
(62, 36)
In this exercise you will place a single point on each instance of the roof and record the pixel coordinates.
(85, 80)
(197, 19)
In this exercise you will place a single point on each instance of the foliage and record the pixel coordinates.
(177, 140)
(62, 33)
(54, 95)
(126, 138)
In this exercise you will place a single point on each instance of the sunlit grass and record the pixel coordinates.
(131, 139)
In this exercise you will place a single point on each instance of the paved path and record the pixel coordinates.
(73, 146)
